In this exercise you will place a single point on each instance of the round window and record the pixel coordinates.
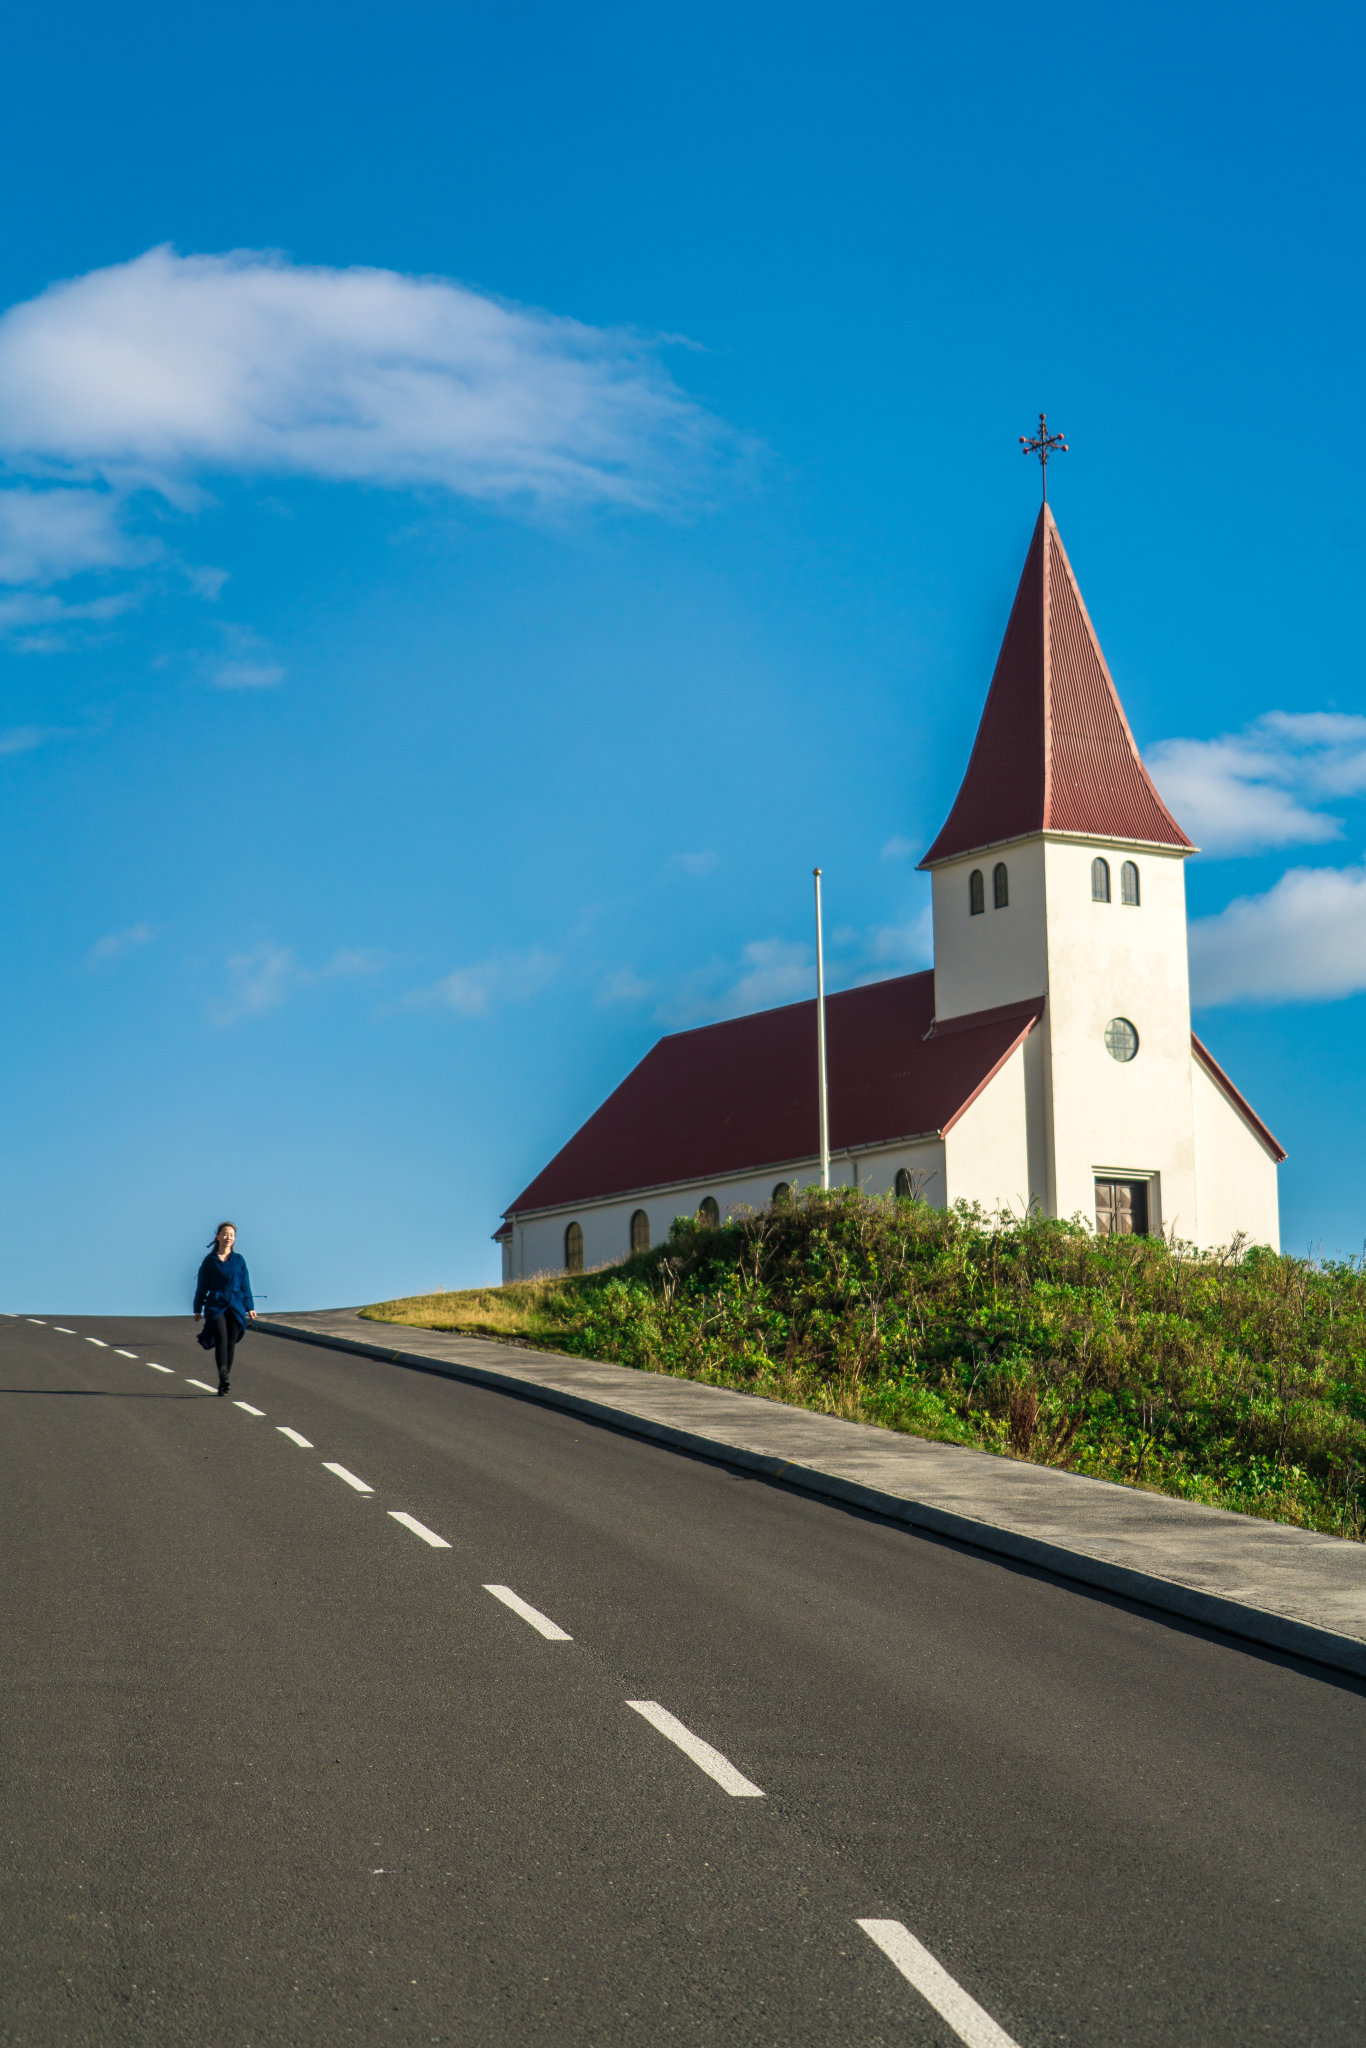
(1121, 1040)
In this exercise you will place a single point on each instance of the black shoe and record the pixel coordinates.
(222, 1387)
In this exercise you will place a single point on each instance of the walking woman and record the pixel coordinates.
(223, 1298)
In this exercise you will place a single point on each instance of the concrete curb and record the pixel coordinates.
(1232, 1617)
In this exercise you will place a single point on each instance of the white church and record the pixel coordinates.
(1047, 1058)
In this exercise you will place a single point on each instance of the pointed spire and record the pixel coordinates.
(1053, 752)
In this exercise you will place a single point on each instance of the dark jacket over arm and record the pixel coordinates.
(224, 1284)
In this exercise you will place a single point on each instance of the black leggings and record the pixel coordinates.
(224, 1342)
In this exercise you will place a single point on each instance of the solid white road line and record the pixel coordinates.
(97, 1340)
(973, 2026)
(124, 1354)
(703, 1755)
(65, 1333)
(349, 1477)
(201, 1386)
(159, 1368)
(294, 1437)
(419, 1529)
(541, 1622)
(249, 1409)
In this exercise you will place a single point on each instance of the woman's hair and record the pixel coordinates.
(221, 1228)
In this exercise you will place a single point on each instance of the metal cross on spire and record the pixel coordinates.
(1043, 444)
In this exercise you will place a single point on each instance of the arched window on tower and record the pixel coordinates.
(573, 1248)
(977, 895)
(640, 1232)
(904, 1190)
(1100, 880)
(782, 1195)
(708, 1212)
(1000, 885)
(1128, 884)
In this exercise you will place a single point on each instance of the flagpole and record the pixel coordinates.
(820, 1038)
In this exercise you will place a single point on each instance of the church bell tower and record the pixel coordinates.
(1059, 874)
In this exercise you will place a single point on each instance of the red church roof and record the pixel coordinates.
(741, 1096)
(1053, 752)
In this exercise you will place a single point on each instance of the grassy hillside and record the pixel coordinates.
(1236, 1378)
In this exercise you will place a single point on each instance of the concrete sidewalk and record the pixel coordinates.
(1286, 1588)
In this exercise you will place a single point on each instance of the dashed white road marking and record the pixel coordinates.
(249, 1409)
(202, 1386)
(419, 1529)
(159, 1368)
(119, 1352)
(38, 1320)
(349, 1477)
(97, 1340)
(972, 2026)
(65, 1333)
(294, 1437)
(703, 1755)
(541, 1622)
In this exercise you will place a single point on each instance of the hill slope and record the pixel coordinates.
(1236, 1378)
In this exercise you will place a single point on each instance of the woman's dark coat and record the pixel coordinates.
(224, 1284)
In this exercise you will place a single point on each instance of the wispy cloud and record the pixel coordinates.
(22, 739)
(48, 535)
(160, 373)
(693, 863)
(1304, 940)
(477, 990)
(268, 976)
(115, 944)
(1265, 786)
(902, 948)
(900, 849)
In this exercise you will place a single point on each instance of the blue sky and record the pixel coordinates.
(489, 497)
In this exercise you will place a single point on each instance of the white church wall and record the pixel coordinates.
(998, 956)
(537, 1244)
(1114, 960)
(1236, 1174)
(987, 1150)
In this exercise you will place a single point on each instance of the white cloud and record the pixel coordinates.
(902, 948)
(165, 370)
(1303, 941)
(22, 739)
(51, 534)
(247, 675)
(116, 944)
(1263, 787)
(693, 863)
(476, 991)
(28, 609)
(900, 849)
(265, 978)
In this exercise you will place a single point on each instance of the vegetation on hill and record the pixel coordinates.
(1237, 1378)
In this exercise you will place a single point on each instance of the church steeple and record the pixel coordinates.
(1053, 752)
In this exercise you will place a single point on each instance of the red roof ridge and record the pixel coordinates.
(1239, 1101)
(1054, 751)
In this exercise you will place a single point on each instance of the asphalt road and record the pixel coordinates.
(279, 1770)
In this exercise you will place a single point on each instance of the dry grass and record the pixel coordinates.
(539, 1308)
